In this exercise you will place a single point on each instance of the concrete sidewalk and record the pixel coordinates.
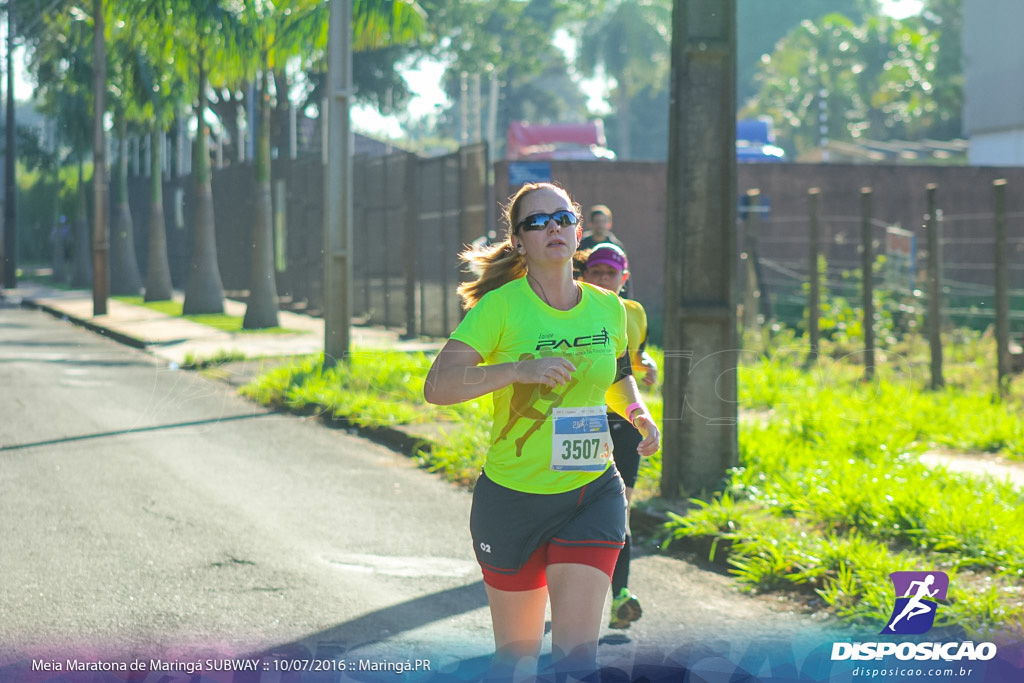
(174, 339)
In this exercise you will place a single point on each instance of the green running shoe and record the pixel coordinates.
(625, 609)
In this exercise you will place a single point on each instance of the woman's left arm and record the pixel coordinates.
(624, 398)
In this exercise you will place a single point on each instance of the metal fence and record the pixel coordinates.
(967, 252)
(411, 218)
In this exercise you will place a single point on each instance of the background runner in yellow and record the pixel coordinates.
(513, 324)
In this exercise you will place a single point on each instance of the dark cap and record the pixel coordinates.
(608, 254)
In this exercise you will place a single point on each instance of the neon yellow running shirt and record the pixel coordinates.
(636, 331)
(512, 324)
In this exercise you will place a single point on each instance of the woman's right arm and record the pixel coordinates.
(456, 374)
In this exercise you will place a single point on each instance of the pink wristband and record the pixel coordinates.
(634, 406)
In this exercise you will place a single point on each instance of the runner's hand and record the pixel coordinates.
(650, 374)
(551, 372)
(652, 437)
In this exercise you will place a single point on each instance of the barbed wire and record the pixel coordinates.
(792, 271)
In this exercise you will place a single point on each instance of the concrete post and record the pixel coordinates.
(101, 231)
(9, 252)
(701, 346)
(338, 190)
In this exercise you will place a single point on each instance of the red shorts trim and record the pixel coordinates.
(600, 557)
(533, 573)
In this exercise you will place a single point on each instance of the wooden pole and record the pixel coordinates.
(814, 296)
(934, 289)
(1002, 287)
(751, 283)
(868, 282)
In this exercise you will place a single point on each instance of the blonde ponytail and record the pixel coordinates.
(494, 266)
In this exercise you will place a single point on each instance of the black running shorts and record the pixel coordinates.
(509, 525)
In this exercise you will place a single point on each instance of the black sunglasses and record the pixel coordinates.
(539, 221)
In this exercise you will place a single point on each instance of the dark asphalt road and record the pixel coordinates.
(149, 511)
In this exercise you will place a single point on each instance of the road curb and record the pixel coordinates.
(119, 337)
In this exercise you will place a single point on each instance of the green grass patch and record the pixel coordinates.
(382, 388)
(830, 397)
(192, 361)
(830, 496)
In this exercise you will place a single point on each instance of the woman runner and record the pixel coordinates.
(549, 511)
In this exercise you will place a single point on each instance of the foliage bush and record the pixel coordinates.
(42, 200)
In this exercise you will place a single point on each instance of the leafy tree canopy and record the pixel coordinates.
(878, 79)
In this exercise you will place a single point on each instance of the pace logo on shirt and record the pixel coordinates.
(548, 342)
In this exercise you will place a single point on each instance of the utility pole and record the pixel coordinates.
(10, 250)
(338, 187)
(700, 418)
(100, 229)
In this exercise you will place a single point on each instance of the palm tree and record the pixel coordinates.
(235, 42)
(201, 37)
(876, 79)
(629, 41)
(275, 34)
(124, 268)
(157, 94)
(135, 98)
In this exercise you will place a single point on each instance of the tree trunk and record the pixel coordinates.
(262, 308)
(625, 151)
(59, 236)
(280, 116)
(204, 292)
(228, 110)
(124, 268)
(158, 272)
(81, 275)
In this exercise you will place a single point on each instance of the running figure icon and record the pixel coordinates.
(917, 592)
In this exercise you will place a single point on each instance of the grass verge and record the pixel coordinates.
(829, 498)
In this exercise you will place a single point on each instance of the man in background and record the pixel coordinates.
(600, 229)
(600, 232)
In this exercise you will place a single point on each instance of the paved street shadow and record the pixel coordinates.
(80, 361)
(135, 430)
(383, 625)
